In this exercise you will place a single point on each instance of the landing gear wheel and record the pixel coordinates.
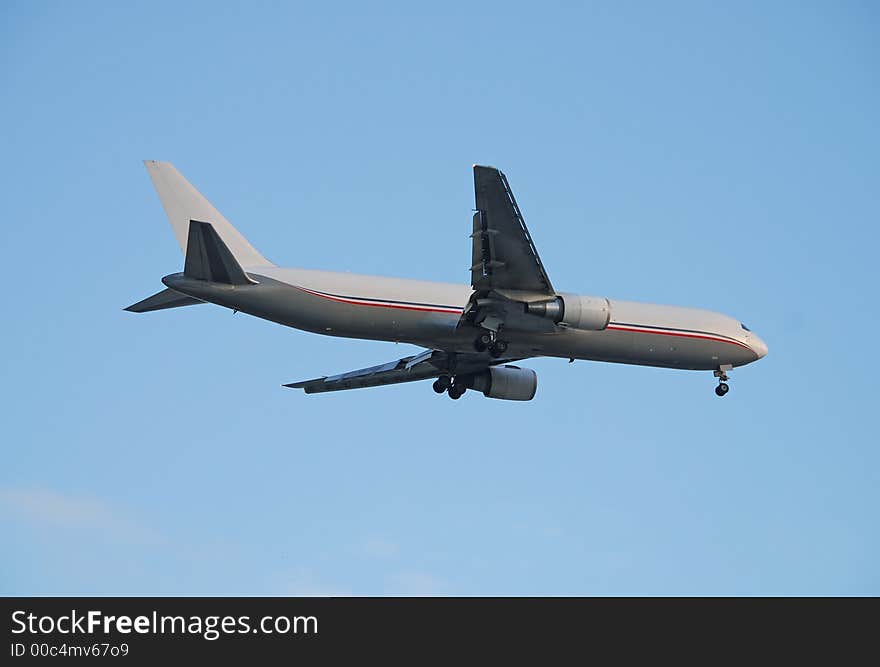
(482, 341)
(721, 374)
(441, 384)
(498, 348)
(456, 391)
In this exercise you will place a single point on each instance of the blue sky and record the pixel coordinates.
(689, 153)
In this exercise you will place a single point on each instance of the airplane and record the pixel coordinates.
(473, 336)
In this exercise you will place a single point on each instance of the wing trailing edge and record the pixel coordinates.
(429, 364)
(503, 253)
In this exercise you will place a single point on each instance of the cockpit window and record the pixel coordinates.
(744, 326)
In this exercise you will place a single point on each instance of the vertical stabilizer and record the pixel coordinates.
(182, 203)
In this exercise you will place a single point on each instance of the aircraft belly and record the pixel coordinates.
(628, 347)
(674, 352)
(302, 309)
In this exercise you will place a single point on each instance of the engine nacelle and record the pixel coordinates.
(591, 313)
(510, 383)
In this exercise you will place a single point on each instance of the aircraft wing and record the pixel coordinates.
(428, 364)
(504, 256)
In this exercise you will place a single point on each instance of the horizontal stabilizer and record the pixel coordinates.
(208, 257)
(167, 298)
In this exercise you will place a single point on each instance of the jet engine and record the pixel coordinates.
(510, 383)
(591, 313)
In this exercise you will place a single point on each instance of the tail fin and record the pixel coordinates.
(182, 203)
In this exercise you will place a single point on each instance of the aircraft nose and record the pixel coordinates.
(759, 347)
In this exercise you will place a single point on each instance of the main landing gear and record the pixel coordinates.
(721, 374)
(445, 384)
(488, 340)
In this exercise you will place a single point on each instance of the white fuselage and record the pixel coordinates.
(429, 313)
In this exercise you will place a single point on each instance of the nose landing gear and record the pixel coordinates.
(721, 374)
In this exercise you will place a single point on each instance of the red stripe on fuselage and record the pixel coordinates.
(399, 306)
(430, 309)
(678, 334)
